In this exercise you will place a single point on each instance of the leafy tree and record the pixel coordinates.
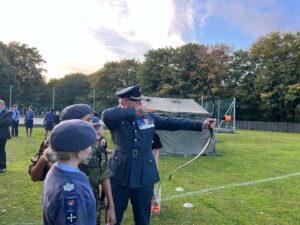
(71, 89)
(212, 62)
(169, 72)
(7, 73)
(156, 74)
(29, 83)
(239, 82)
(112, 77)
(276, 57)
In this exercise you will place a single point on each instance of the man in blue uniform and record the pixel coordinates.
(48, 121)
(15, 121)
(133, 165)
(28, 120)
(5, 121)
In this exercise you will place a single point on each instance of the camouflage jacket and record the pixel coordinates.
(96, 166)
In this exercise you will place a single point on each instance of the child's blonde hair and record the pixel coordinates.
(53, 156)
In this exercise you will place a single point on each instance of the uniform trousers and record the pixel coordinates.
(140, 199)
(15, 128)
(2, 154)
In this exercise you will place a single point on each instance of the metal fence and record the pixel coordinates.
(268, 126)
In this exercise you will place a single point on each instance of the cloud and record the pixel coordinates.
(79, 68)
(252, 17)
(89, 33)
(120, 6)
(188, 15)
(132, 27)
(120, 44)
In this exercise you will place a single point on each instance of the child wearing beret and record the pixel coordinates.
(96, 168)
(40, 165)
(67, 195)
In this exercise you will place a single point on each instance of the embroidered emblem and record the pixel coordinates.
(68, 187)
(71, 218)
(145, 123)
(70, 203)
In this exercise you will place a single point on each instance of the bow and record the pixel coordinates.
(211, 130)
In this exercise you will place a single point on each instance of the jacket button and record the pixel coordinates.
(135, 140)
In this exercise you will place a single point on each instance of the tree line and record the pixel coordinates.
(264, 79)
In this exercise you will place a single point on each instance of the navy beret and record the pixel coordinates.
(133, 92)
(95, 119)
(72, 136)
(76, 111)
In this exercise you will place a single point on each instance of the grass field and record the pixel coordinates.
(256, 181)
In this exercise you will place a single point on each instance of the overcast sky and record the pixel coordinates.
(81, 35)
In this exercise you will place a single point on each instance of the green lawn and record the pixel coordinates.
(255, 181)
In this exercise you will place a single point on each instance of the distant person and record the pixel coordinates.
(28, 121)
(15, 121)
(56, 118)
(5, 122)
(156, 145)
(67, 195)
(95, 116)
(48, 121)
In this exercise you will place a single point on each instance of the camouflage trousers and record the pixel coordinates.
(98, 208)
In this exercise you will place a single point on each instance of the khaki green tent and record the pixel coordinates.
(181, 142)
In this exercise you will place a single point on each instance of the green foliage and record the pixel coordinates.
(214, 185)
(157, 73)
(276, 57)
(264, 79)
(20, 66)
(111, 78)
(71, 89)
(29, 82)
(167, 72)
(240, 82)
(7, 73)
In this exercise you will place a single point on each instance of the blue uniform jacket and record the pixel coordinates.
(5, 122)
(132, 163)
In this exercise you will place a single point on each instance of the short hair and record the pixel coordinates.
(2, 102)
(54, 156)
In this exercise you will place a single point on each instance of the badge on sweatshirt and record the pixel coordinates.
(71, 218)
(70, 203)
(145, 123)
(68, 187)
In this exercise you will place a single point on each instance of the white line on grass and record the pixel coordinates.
(229, 186)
